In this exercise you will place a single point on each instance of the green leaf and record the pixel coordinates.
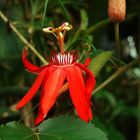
(109, 129)
(98, 26)
(104, 94)
(15, 131)
(84, 19)
(126, 111)
(69, 128)
(99, 61)
(64, 128)
(114, 134)
(45, 8)
(65, 11)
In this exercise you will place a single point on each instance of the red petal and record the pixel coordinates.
(51, 89)
(29, 66)
(40, 116)
(77, 91)
(32, 91)
(89, 84)
(90, 80)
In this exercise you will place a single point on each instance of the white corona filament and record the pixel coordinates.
(63, 59)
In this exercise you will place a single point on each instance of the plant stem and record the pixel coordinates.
(98, 26)
(28, 120)
(138, 123)
(117, 38)
(24, 116)
(95, 27)
(66, 13)
(45, 8)
(22, 38)
(116, 74)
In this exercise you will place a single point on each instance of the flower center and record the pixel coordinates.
(63, 59)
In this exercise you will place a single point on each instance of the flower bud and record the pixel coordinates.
(117, 10)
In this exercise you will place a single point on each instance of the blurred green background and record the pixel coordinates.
(116, 107)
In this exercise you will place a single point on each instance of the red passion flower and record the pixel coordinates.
(62, 67)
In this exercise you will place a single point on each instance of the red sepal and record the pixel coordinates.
(29, 66)
(32, 91)
(90, 80)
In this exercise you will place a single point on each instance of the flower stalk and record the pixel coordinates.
(117, 39)
(117, 12)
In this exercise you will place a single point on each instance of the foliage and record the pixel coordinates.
(64, 127)
(115, 101)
